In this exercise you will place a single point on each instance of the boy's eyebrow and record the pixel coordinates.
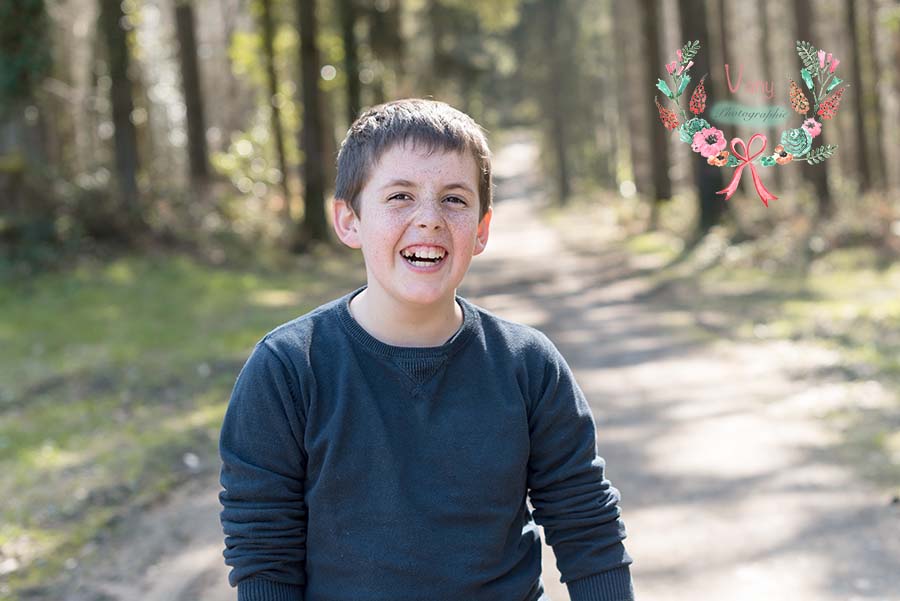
(406, 182)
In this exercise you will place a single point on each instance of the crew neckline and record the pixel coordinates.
(459, 338)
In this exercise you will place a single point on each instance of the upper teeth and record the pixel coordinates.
(424, 252)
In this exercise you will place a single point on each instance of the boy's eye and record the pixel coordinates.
(405, 196)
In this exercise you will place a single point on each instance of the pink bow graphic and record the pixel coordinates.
(764, 195)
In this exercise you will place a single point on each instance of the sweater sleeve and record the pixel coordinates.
(572, 500)
(263, 467)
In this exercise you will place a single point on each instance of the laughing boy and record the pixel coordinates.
(381, 447)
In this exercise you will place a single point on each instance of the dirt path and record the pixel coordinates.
(730, 491)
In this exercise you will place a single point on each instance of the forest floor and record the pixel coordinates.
(753, 463)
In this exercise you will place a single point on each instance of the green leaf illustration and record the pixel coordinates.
(690, 50)
(807, 79)
(821, 154)
(808, 55)
(835, 83)
(684, 82)
(664, 88)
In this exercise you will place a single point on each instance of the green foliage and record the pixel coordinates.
(24, 52)
(664, 88)
(684, 83)
(821, 154)
(689, 51)
(250, 161)
(807, 78)
(494, 16)
(808, 56)
(891, 19)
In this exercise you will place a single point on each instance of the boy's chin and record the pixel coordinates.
(436, 296)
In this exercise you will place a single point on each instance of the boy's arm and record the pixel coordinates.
(263, 466)
(573, 501)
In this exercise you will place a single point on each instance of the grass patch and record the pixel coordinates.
(114, 379)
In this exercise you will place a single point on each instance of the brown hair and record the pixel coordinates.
(431, 123)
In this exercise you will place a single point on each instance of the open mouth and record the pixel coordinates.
(423, 256)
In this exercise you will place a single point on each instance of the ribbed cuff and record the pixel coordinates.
(612, 585)
(260, 589)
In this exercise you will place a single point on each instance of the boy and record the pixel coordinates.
(380, 447)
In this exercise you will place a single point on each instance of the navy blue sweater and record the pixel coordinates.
(354, 470)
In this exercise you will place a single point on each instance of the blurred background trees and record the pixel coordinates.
(180, 155)
(213, 123)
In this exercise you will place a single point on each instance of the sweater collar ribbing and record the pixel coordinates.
(463, 334)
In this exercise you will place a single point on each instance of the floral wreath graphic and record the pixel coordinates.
(796, 144)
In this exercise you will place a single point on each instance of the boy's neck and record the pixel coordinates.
(408, 327)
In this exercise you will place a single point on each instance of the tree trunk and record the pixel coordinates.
(313, 228)
(387, 43)
(768, 61)
(629, 132)
(895, 35)
(863, 165)
(24, 61)
(436, 22)
(554, 92)
(817, 175)
(268, 34)
(723, 29)
(329, 140)
(659, 143)
(877, 156)
(351, 59)
(13, 202)
(708, 179)
(125, 136)
(193, 95)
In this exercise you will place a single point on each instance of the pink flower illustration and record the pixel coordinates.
(834, 65)
(678, 54)
(709, 142)
(821, 59)
(813, 127)
(684, 67)
(670, 67)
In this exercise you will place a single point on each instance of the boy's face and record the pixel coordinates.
(420, 204)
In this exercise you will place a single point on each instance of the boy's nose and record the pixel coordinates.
(429, 214)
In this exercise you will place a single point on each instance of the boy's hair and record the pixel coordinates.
(432, 124)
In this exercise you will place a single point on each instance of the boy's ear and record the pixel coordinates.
(484, 228)
(346, 223)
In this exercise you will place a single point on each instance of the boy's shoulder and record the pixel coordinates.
(518, 345)
(322, 325)
(516, 336)
(297, 334)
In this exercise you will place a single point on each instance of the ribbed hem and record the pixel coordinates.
(456, 342)
(612, 585)
(260, 589)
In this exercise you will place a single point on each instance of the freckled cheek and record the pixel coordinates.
(388, 236)
(461, 221)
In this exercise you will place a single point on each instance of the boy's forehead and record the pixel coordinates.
(410, 162)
